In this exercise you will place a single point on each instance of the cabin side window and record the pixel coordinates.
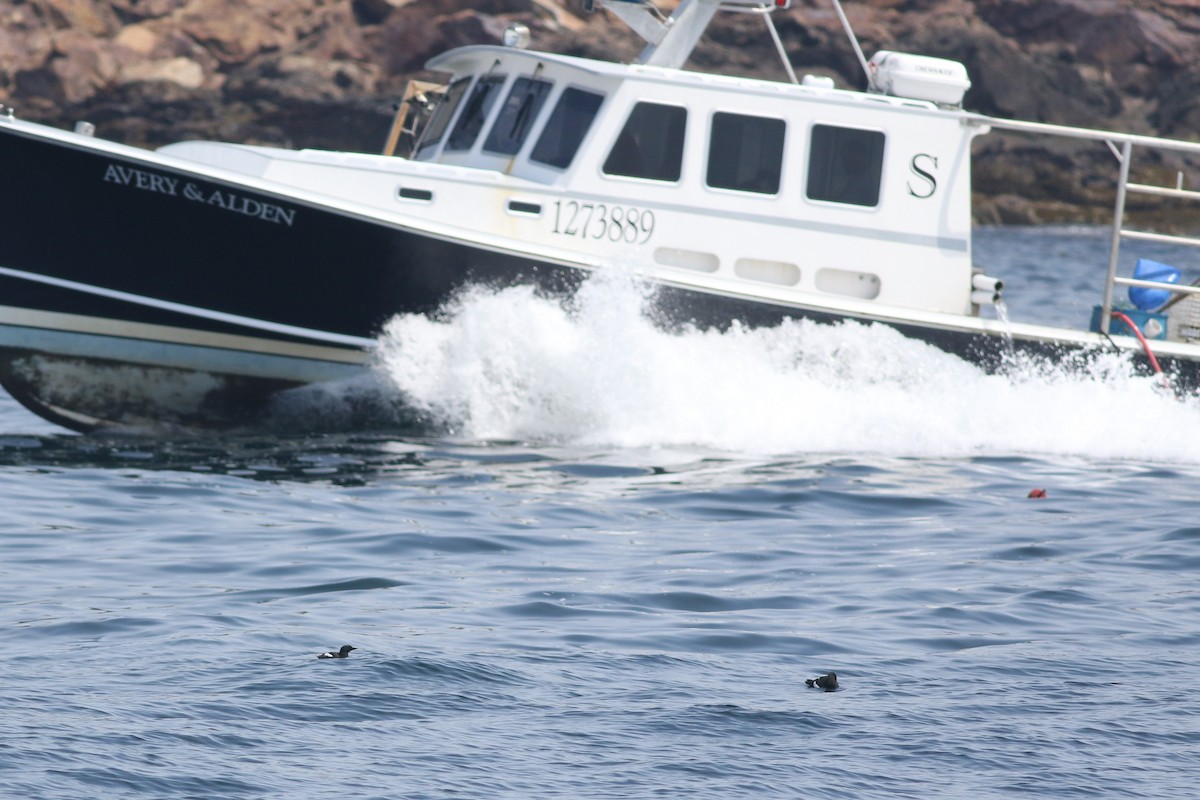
(569, 122)
(650, 145)
(516, 116)
(436, 128)
(470, 122)
(745, 153)
(845, 165)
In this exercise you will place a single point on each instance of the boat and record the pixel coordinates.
(195, 285)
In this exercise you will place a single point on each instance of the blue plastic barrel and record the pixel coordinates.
(1147, 270)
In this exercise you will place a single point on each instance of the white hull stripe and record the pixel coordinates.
(170, 355)
(194, 311)
(16, 317)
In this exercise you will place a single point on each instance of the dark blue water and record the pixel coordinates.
(611, 606)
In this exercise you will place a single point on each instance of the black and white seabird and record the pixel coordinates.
(345, 651)
(828, 682)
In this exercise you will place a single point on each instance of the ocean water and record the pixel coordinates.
(609, 563)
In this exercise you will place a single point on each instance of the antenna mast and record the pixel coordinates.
(837, 5)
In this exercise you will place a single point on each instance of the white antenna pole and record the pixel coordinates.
(853, 39)
(787, 65)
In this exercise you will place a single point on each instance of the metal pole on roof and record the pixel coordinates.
(787, 65)
(853, 39)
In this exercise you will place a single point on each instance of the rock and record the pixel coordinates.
(373, 12)
(301, 79)
(139, 39)
(153, 71)
(183, 72)
(81, 16)
(132, 10)
(235, 31)
(77, 68)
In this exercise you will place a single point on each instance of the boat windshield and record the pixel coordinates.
(436, 128)
(516, 117)
(475, 113)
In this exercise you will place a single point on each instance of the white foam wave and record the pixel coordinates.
(511, 365)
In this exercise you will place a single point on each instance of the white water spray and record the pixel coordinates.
(511, 365)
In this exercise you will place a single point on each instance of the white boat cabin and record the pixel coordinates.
(804, 187)
(792, 192)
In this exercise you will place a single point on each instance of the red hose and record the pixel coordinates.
(1145, 344)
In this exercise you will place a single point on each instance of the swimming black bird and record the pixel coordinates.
(827, 682)
(345, 651)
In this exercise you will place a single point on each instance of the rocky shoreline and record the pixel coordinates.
(326, 73)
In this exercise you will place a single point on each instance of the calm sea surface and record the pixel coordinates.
(610, 563)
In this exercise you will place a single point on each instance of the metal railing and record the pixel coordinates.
(1119, 232)
(1121, 145)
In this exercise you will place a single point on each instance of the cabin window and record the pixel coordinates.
(516, 117)
(650, 145)
(443, 114)
(470, 122)
(745, 153)
(845, 165)
(564, 131)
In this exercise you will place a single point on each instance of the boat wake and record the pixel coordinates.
(512, 365)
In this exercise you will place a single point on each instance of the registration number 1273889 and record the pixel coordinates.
(601, 221)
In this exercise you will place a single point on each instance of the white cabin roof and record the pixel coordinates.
(471, 57)
(475, 59)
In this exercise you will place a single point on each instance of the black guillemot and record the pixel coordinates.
(345, 651)
(827, 682)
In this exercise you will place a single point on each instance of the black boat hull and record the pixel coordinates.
(122, 274)
(135, 292)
